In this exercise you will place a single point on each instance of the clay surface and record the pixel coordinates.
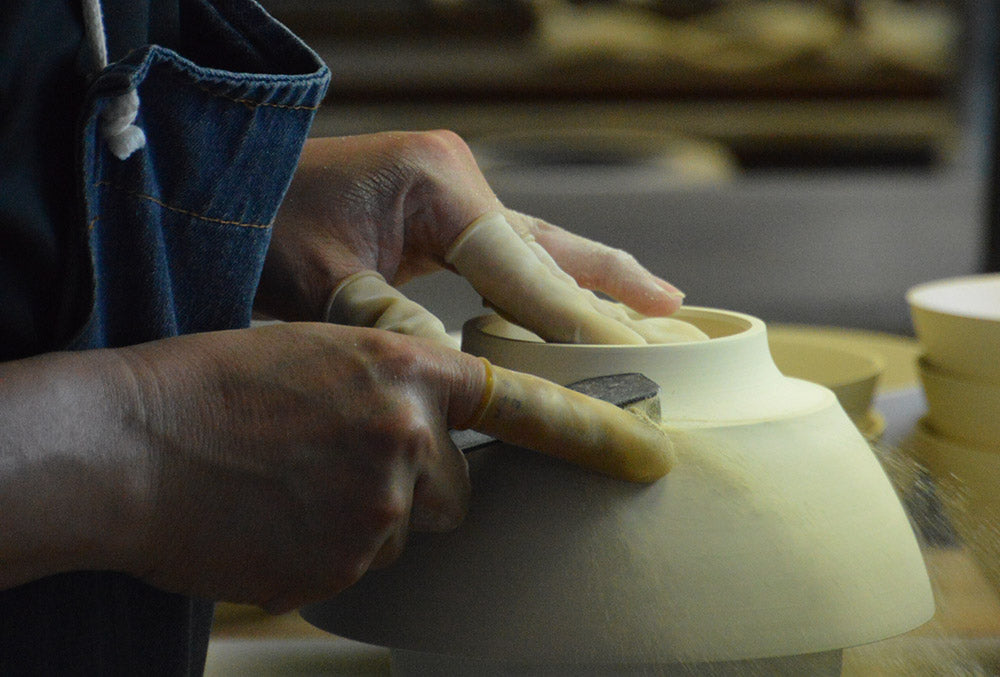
(777, 532)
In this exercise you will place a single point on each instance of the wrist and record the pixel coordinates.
(73, 479)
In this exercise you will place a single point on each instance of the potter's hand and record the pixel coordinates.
(286, 460)
(401, 205)
(272, 465)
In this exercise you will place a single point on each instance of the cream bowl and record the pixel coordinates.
(957, 321)
(960, 409)
(777, 532)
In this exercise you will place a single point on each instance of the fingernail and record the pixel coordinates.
(669, 289)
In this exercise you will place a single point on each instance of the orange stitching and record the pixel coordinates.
(258, 104)
(179, 210)
(250, 103)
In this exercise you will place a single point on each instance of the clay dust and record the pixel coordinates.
(955, 642)
(935, 649)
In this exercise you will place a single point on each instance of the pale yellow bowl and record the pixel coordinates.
(960, 409)
(968, 483)
(777, 532)
(958, 323)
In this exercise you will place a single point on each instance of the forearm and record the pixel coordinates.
(71, 479)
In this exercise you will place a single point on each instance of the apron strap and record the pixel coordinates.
(118, 126)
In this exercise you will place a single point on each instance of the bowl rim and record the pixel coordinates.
(917, 296)
(748, 324)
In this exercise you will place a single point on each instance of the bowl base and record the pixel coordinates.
(412, 663)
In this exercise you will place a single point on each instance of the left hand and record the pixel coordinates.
(395, 204)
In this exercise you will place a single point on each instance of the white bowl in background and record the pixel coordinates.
(957, 321)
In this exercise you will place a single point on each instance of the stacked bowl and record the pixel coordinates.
(957, 322)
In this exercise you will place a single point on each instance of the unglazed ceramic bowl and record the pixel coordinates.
(963, 410)
(776, 533)
(957, 321)
(968, 481)
(418, 664)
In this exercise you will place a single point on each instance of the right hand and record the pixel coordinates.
(286, 460)
(272, 465)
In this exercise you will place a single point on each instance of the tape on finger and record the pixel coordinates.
(537, 414)
(519, 279)
(365, 299)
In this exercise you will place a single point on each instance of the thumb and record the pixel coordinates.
(535, 413)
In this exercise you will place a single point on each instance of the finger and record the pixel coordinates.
(365, 299)
(524, 284)
(282, 604)
(391, 548)
(538, 414)
(441, 493)
(440, 386)
(656, 329)
(605, 269)
(375, 551)
(652, 329)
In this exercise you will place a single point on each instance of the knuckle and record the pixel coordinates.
(390, 356)
(388, 509)
(607, 263)
(440, 145)
(445, 140)
(346, 573)
(388, 553)
(402, 433)
(617, 258)
(385, 362)
(402, 364)
(440, 515)
(414, 431)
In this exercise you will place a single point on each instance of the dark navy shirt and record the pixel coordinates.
(83, 623)
(43, 75)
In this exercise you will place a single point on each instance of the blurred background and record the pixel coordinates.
(802, 161)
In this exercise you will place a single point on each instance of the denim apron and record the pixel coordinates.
(177, 234)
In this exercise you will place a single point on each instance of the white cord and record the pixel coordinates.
(118, 126)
